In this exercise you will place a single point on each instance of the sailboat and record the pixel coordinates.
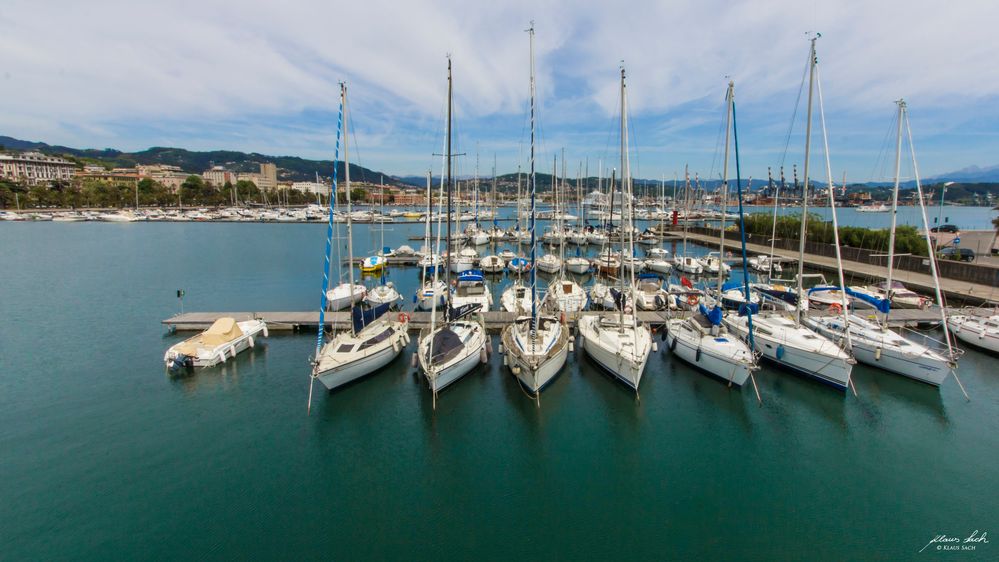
(433, 292)
(448, 351)
(702, 339)
(871, 341)
(384, 292)
(373, 339)
(535, 346)
(617, 342)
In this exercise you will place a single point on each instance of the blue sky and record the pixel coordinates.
(252, 77)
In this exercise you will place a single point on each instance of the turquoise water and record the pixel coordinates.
(104, 456)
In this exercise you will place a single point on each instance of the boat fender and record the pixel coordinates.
(506, 361)
(413, 360)
(877, 354)
(655, 347)
(265, 331)
(672, 345)
(483, 356)
(697, 356)
(232, 350)
(515, 369)
(780, 352)
(660, 303)
(572, 346)
(395, 347)
(489, 346)
(250, 340)
(222, 356)
(501, 348)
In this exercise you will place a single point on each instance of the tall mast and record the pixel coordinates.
(845, 313)
(447, 264)
(724, 188)
(346, 175)
(929, 248)
(533, 181)
(625, 195)
(894, 213)
(804, 189)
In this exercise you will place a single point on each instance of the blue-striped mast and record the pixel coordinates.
(329, 232)
(533, 180)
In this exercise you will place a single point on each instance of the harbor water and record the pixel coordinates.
(104, 455)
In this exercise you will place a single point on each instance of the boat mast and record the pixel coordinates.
(326, 255)
(447, 264)
(845, 313)
(426, 234)
(804, 189)
(533, 186)
(894, 213)
(625, 179)
(773, 231)
(724, 187)
(951, 354)
(350, 233)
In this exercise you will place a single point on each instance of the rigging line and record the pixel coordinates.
(794, 114)
(882, 158)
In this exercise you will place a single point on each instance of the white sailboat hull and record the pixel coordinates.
(337, 369)
(703, 353)
(626, 367)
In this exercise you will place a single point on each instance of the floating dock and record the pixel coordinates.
(495, 320)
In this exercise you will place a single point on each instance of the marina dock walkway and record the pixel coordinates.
(495, 320)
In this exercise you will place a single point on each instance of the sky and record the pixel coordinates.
(264, 77)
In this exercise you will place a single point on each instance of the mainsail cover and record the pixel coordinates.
(362, 318)
(714, 315)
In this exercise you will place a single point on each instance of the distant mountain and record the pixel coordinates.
(290, 168)
(971, 174)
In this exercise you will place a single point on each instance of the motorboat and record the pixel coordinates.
(372, 264)
(492, 264)
(650, 294)
(223, 340)
(471, 288)
(518, 265)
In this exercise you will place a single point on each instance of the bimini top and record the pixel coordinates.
(470, 275)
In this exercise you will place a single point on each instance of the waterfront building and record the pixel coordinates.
(35, 168)
(313, 187)
(218, 176)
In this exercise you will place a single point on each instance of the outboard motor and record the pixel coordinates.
(181, 362)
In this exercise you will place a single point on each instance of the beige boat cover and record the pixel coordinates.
(224, 330)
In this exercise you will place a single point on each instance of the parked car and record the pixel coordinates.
(951, 228)
(959, 254)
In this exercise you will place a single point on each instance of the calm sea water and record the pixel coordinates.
(105, 456)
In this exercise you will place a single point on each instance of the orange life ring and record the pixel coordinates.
(691, 300)
(836, 307)
(403, 317)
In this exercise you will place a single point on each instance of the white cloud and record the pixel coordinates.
(73, 72)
